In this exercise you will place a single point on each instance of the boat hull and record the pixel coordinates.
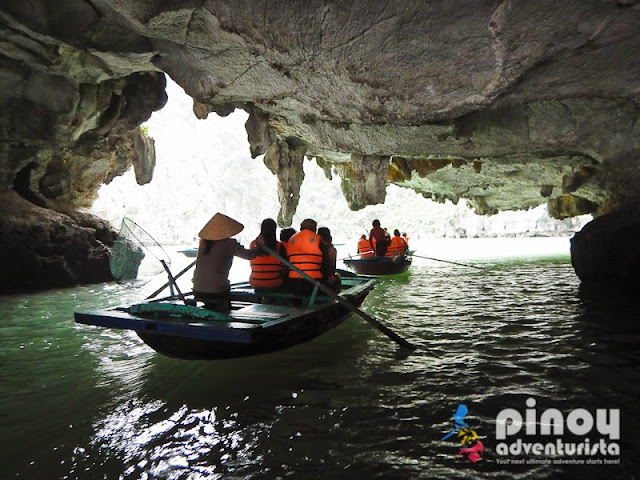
(379, 265)
(253, 342)
(251, 328)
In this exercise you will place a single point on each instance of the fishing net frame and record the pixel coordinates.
(129, 261)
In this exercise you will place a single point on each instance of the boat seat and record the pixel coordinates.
(260, 313)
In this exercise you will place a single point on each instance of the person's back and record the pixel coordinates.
(306, 252)
(285, 236)
(329, 275)
(364, 247)
(329, 266)
(397, 245)
(377, 233)
(378, 239)
(213, 264)
(266, 269)
(214, 261)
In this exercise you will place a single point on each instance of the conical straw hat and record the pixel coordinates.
(220, 227)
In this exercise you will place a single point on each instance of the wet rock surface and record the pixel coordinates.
(42, 249)
(606, 251)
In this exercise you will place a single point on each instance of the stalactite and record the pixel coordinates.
(364, 180)
(285, 161)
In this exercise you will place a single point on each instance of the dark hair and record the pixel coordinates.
(309, 224)
(286, 234)
(325, 233)
(376, 222)
(396, 232)
(268, 232)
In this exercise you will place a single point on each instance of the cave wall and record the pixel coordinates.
(605, 254)
(43, 249)
(508, 104)
(69, 124)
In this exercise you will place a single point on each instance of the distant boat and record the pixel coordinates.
(252, 327)
(379, 265)
(189, 252)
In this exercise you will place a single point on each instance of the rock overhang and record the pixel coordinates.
(551, 90)
(508, 104)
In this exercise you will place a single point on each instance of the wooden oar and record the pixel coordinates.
(172, 281)
(447, 261)
(377, 324)
(169, 282)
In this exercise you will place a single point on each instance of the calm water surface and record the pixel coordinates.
(82, 402)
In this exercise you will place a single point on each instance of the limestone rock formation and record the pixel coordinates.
(41, 248)
(606, 250)
(506, 103)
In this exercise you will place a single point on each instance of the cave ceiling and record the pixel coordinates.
(507, 104)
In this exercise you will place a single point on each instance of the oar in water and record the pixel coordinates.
(377, 324)
(447, 261)
(169, 282)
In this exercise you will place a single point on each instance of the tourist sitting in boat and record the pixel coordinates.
(364, 247)
(397, 245)
(267, 272)
(405, 238)
(378, 239)
(285, 235)
(330, 277)
(306, 251)
(215, 257)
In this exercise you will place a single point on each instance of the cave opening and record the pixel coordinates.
(205, 166)
(22, 184)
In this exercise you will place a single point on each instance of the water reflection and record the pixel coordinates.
(172, 443)
(93, 403)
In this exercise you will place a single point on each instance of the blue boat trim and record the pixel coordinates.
(253, 326)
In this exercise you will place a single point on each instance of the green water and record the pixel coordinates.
(84, 402)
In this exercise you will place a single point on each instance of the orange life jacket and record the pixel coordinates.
(397, 247)
(364, 248)
(406, 240)
(266, 270)
(304, 253)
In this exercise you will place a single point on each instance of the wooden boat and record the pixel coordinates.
(252, 327)
(379, 265)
